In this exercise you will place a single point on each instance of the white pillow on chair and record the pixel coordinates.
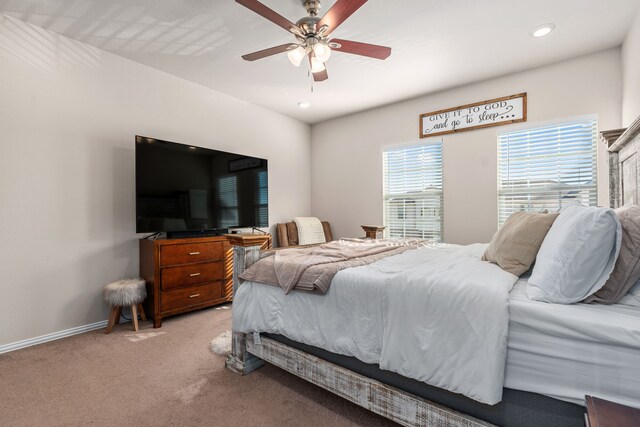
(577, 255)
(310, 230)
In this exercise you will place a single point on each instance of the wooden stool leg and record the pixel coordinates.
(141, 311)
(118, 314)
(112, 319)
(134, 316)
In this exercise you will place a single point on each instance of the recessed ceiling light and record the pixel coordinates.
(542, 30)
(192, 147)
(304, 104)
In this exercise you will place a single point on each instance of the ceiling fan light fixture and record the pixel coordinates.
(317, 66)
(322, 51)
(297, 55)
(313, 35)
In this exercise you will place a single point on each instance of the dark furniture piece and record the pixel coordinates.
(603, 413)
(185, 274)
(371, 231)
(288, 233)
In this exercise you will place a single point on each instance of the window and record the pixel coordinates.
(547, 168)
(413, 191)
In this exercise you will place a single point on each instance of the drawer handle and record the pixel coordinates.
(194, 274)
(194, 295)
(194, 253)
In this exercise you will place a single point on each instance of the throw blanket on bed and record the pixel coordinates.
(310, 230)
(312, 269)
(435, 314)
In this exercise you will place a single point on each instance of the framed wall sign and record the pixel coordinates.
(494, 112)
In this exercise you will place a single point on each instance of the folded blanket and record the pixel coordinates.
(313, 268)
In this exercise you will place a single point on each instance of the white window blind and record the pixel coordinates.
(547, 168)
(413, 191)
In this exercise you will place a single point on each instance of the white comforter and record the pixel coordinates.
(439, 315)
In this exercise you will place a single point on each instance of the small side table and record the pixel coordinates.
(603, 413)
(371, 231)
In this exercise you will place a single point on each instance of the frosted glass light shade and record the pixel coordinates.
(316, 65)
(322, 52)
(296, 55)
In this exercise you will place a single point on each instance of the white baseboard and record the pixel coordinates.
(51, 337)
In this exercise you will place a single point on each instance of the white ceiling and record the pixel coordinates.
(437, 44)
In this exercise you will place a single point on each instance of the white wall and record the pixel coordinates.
(631, 74)
(346, 153)
(68, 116)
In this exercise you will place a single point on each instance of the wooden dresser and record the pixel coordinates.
(185, 274)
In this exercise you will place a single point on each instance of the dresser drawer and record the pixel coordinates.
(191, 295)
(190, 274)
(190, 252)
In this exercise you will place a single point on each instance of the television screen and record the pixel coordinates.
(182, 187)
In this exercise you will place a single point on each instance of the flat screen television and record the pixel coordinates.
(185, 190)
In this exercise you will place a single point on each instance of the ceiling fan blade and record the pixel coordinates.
(364, 49)
(267, 13)
(320, 76)
(339, 12)
(267, 52)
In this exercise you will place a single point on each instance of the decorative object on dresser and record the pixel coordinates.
(371, 231)
(125, 293)
(185, 274)
(603, 413)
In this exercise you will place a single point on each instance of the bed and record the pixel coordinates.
(555, 353)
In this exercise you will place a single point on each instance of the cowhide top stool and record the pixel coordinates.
(125, 293)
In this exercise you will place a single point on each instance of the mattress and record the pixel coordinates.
(561, 351)
(567, 351)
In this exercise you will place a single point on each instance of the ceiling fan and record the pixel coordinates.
(314, 35)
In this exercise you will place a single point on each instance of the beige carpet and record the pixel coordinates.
(165, 376)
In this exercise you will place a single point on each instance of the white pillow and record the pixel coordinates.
(577, 256)
(632, 297)
(310, 230)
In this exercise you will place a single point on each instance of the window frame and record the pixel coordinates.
(524, 127)
(438, 234)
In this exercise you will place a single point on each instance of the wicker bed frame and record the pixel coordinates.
(250, 351)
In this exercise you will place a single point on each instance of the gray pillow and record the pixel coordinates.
(514, 247)
(577, 256)
(627, 269)
(632, 297)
